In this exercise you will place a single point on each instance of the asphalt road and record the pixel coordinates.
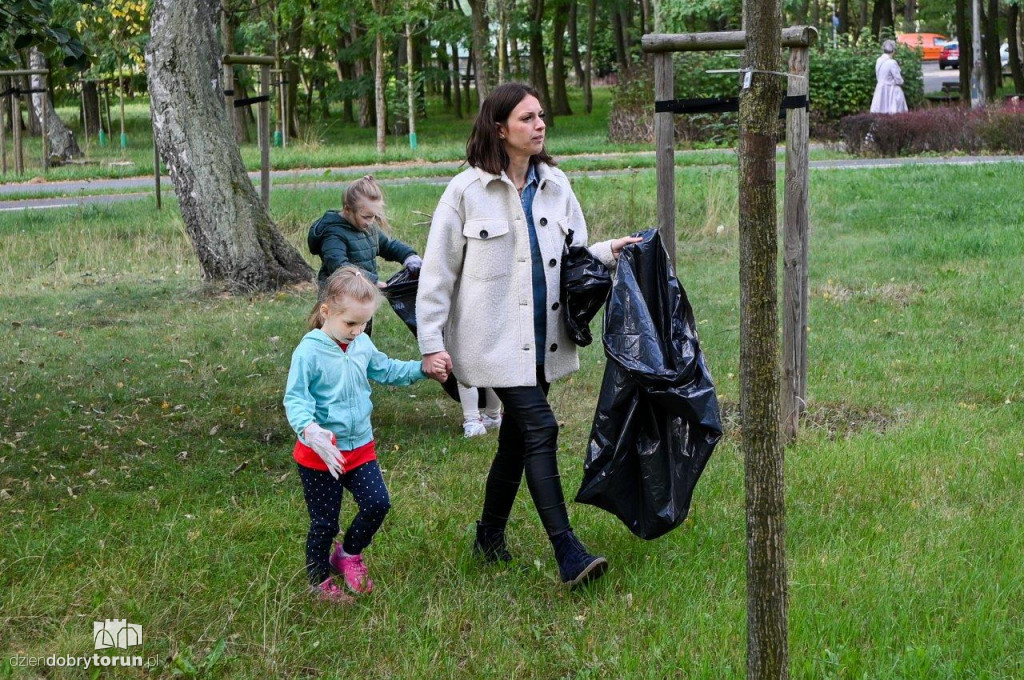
(934, 78)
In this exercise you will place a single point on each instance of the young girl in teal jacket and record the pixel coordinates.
(327, 401)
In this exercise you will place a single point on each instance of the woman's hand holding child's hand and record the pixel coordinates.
(323, 442)
(437, 366)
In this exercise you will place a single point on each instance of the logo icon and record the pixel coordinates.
(116, 633)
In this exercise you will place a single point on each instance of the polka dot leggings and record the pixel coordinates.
(323, 500)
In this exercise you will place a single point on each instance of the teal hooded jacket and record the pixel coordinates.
(332, 387)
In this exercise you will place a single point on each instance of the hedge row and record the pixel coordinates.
(940, 129)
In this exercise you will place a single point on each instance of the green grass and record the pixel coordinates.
(144, 457)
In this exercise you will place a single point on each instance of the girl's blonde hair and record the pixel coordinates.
(366, 189)
(346, 283)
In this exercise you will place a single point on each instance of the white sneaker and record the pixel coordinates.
(473, 428)
(491, 423)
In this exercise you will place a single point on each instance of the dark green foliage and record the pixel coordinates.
(24, 23)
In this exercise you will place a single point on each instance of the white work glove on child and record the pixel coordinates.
(413, 263)
(322, 441)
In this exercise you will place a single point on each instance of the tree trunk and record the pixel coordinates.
(293, 48)
(574, 42)
(561, 96)
(588, 92)
(465, 82)
(345, 70)
(538, 69)
(378, 83)
(881, 17)
(63, 146)
(862, 18)
(619, 33)
(844, 16)
(995, 67)
(1012, 23)
(502, 41)
(442, 67)
(236, 241)
(979, 88)
(456, 85)
(909, 14)
(91, 107)
(962, 32)
(481, 47)
(767, 627)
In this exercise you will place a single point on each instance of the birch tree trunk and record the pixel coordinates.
(63, 146)
(538, 69)
(588, 68)
(767, 628)
(979, 86)
(237, 243)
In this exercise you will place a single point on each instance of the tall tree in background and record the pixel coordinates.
(538, 68)
(380, 102)
(237, 243)
(588, 68)
(560, 96)
(767, 593)
(481, 48)
(1013, 31)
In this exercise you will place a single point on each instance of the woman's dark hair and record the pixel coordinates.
(485, 150)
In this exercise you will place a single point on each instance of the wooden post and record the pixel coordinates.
(19, 152)
(3, 133)
(793, 388)
(664, 144)
(120, 91)
(156, 159)
(42, 122)
(85, 118)
(264, 135)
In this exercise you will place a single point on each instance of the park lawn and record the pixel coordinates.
(146, 475)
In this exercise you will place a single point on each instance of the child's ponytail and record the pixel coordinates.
(346, 283)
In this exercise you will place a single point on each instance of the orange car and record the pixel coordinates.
(929, 43)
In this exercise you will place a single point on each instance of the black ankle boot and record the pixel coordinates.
(575, 565)
(490, 544)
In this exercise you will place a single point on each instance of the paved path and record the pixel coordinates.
(68, 192)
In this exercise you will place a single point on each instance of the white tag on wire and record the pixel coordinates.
(746, 80)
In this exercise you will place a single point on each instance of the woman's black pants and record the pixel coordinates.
(527, 442)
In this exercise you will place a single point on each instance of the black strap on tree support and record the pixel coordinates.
(721, 105)
(17, 92)
(251, 100)
(229, 93)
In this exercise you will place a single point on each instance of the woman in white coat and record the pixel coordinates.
(888, 92)
(488, 303)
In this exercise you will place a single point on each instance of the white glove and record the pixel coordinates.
(413, 263)
(323, 442)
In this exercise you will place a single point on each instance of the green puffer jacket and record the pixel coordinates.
(338, 243)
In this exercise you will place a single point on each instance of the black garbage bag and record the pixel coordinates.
(584, 290)
(657, 419)
(401, 295)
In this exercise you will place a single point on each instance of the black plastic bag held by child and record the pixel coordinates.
(401, 294)
(585, 283)
(657, 418)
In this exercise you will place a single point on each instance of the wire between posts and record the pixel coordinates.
(749, 72)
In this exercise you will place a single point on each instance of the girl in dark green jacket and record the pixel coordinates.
(356, 234)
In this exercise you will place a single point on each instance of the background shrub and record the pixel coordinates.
(939, 129)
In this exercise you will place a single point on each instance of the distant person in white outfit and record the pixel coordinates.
(888, 92)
